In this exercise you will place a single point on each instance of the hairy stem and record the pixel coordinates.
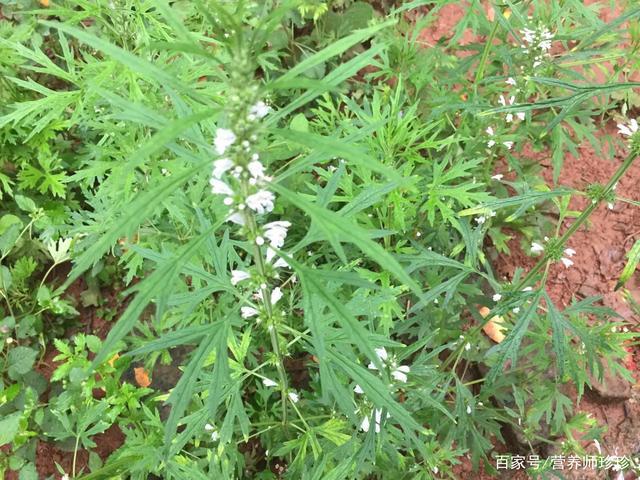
(271, 320)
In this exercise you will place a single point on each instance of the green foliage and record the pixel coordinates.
(389, 165)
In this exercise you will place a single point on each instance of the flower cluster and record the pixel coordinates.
(505, 101)
(537, 44)
(398, 373)
(240, 177)
(630, 130)
(564, 257)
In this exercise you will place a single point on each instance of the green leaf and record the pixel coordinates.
(145, 68)
(332, 50)
(337, 148)
(182, 393)
(336, 228)
(510, 346)
(516, 201)
(146, 291)
(172, 339)
(633, 258)
(21, 359)
(121, 224)
(9, 427)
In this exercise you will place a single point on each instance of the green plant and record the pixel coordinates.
(346, 228)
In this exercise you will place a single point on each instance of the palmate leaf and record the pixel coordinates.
(123, 223)
(354, 330)
(558, 337)
(332, 80)
(145, 68)
(508, 349)
(181, 394)
(338, 148)
(220, 387)
(338, 228)
(169, 340)
(146, 290)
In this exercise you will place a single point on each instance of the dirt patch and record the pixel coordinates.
(601, 245)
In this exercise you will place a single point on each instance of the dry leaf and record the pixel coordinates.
(44, 3)
(142, 377)
(494, 327)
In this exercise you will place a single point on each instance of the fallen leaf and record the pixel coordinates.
(494, 327)
(44, 3)
(142, 377)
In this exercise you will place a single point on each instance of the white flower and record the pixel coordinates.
(256, 169)
(545, 45)
(358, 389)
(377, 417)
(281, 263)
(497, 297)
(218, 187)
(503, 102)
(569, 252)
(220, 167)
(467, 346)
(528, 35)
(65, 477)
(511, 81)
(489, 131)
(508, 145)
(491, 143)
(238, 276)
(481, 219)
(497, 177)
(276, 232)
(516, 310)
(276, 295)
(267, 382)
(261, 202)
(536, 248)
(527, 289)
(260, 109)
(223, 140)
(400, 373)
(509, 117)
(382, 353)
(212, 430)
(364, 425)
(566, 262)
(248, 312)
(294, 397)
(628, 130)
(237, 218)
(468, 409)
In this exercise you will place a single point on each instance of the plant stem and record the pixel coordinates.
(75, 456)
(528, 279)
(271, 323)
